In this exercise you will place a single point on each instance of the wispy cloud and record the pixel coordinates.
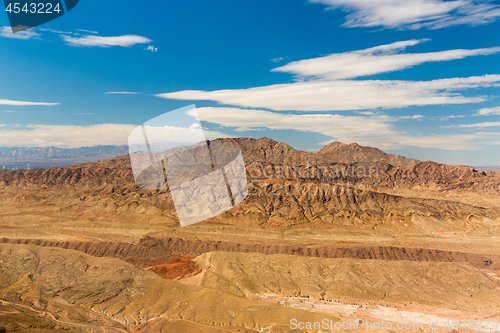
(77, 39)
(151, 48)
(20, 103)
(414, 14)
(83, 114)
(346, 94)
(9, 111)
(91, 40)
(452, 117)
(375, 60)
(377, 130)
(89, 31)
(73, 136)
(26, 34)
(276, 60)
(324, 83)
(416, 116)
(56, 31)
(479, 125)
(66, 136)
(489, 111)
(366, 113)
(122, 93)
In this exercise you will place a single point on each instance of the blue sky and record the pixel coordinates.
(419, 78)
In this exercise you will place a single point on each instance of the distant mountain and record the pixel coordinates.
(263, 150)
(338, 158)
(354, 153)
(25, 154)
(270, 151)
(47, 157)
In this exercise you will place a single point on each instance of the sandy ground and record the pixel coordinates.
(424, 317)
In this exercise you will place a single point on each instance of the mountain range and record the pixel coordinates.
(85, 248)
(397, 194)
(48, 157)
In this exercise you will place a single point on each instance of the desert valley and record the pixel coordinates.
(343, 234)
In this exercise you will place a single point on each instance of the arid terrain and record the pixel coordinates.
(346, 233)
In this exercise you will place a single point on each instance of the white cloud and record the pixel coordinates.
(90, 40)
(72, 136)
(164, 136)
(328, 87)
(20, 103)
(77, 39)
(480, 125)
(366, 113)
(374, 130)
(122, 93)
(446, 142)
(9, 111)
(346, 94)
(452, 117)
(56, 31)
(83, 114)
(276, 60)
(151, 48)
(375, 60)
(89, 31)
(489, 111)
(414, 14)
(25, 34)
(417, 116)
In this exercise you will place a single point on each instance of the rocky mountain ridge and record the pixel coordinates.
(349, 162)
(106, 191)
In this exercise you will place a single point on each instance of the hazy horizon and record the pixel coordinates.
(45, 163)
